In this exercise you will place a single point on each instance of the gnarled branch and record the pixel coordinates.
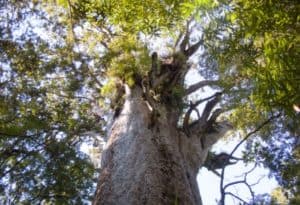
(214, 116)
(218, 161)
(199, 85)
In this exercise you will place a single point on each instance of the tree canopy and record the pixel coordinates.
(60, 62)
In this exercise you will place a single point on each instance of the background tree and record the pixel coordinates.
(74, 70)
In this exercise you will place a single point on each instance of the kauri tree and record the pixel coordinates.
(73, 70)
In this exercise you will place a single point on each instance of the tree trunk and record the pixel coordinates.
(146, 163)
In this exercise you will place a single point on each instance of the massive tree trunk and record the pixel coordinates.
(151, 161)
(150, 157)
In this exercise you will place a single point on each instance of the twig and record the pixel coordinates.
(235, 196)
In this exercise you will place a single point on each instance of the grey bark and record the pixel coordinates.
(144, 164)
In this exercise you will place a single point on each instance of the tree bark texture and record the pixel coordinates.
(146, 163)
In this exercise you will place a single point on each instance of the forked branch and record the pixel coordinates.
(193, 106)
(184, 43)
(185, 35)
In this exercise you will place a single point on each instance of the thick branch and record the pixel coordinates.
(201, 125)
(154, 65)
(210, 138)
(160, 80)
(186, 37)
(214, 116)
(178, 39)
(193, 106)
(184, 42)
(209, 106)
(199, 85)
(187, 118)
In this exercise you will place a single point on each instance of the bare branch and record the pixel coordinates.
(191, 50)
(241, 182)
(209, 106)
(254, 131)
(178, 39)
(234, 183)
(258, 181)
(216, 173)
(222, 187)
(214, 116)
(198, 113)
(92, 74)
(250, 171)
(199, 85)
(186, 37)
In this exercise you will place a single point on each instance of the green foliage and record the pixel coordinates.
(42, 118)
(255, 47)
(128, 65)
(128, 59)
(134, 16)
